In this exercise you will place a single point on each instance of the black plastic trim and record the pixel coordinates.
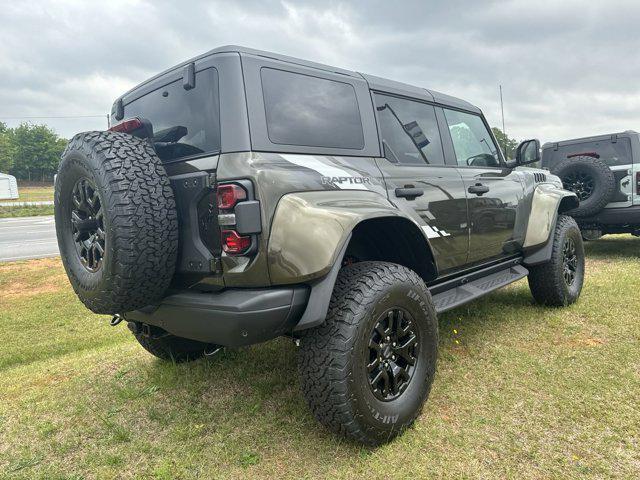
(248, 219)
(232, 318)
(619, 216)
(189, 76)
(460, 278)
(119, 110)
(320, 296)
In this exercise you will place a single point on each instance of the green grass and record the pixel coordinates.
(34, 193)
(29, 193)
(521, 392)
(31, 211)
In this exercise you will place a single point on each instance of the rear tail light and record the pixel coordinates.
(230, 194)
(638, 183)
(234, 243)
(128, 126)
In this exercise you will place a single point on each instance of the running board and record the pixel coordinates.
(473, 289)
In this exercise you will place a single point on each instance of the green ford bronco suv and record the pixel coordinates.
(244, 195)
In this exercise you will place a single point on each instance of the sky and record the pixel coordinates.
(568, 69)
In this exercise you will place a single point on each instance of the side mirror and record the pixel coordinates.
(528, 152)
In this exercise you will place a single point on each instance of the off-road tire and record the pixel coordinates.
(332, 357)
(604, 183)
(140, 225)
(547, 281)
(172, 348)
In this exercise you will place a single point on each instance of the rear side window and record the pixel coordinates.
(311, 111)
(185, 122)
(409, 131)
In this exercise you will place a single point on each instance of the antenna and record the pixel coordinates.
(503, 130)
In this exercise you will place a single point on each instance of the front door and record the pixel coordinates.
(493, 191)
(418, 181)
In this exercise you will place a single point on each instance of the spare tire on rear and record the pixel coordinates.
(116, 221)
(590, 179)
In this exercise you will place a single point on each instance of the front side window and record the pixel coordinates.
(409, 131)
(472, 141)
(185, 122)
(311, 111)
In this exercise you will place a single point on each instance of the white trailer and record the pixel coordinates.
(8, 187)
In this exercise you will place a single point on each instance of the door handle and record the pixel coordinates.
(410, 193)
(478, 189)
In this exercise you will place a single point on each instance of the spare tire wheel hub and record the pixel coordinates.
(580, 183)
(87, 224)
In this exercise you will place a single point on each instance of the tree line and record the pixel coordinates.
(30, 152)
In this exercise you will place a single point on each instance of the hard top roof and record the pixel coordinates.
(375, 83)
(594, 138)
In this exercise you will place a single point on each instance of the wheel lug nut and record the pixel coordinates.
(393, 344)
(393, 357)
(388, 338)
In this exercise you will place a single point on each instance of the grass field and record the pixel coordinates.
(521, 392)
(34, 193)
(29, 193)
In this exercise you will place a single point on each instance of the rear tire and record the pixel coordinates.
(171, 348)
(378, 311)
(558, 282)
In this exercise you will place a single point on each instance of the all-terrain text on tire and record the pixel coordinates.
(209, 216)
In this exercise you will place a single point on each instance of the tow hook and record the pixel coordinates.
(211, 350)
(115, 320)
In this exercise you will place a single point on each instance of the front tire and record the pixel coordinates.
(558, 282)
(368, 369)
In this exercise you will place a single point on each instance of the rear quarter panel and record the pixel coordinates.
(276, 175)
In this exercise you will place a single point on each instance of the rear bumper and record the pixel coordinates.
(231, 318)
(619, 217)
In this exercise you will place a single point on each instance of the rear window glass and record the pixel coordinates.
(185, 122)
(611, 153)
(311, 111)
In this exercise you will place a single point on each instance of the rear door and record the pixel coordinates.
(493, 192)
(417, 179)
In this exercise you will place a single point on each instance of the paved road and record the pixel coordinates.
(27, 237)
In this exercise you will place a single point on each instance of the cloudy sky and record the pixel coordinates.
(567, 68)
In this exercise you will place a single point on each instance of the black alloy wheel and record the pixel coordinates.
(569, 261)
(393, 354)
(579, 182)
(87, 224)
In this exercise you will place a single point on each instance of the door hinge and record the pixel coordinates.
(216, 265)
(210, 180)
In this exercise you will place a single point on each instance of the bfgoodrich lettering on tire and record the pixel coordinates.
(116, 221)
(368, 369)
